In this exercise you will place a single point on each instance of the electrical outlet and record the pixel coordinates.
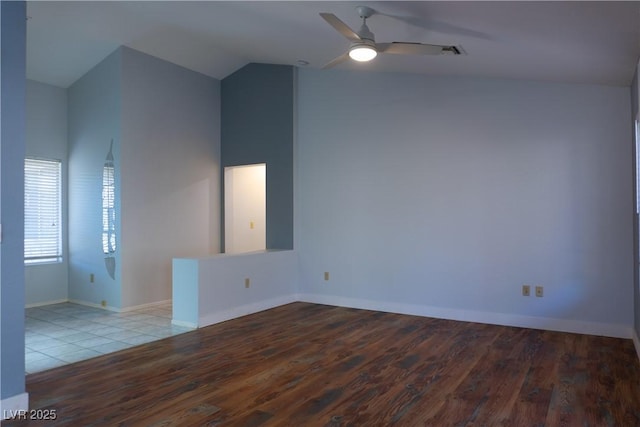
(91, 278)
(526, 290)
(326, 275)
(103, 303)
(247, 282)
(539, 291)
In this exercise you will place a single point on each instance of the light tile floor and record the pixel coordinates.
(60, 334)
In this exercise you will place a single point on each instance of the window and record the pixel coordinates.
(109, 205)
(42, 211)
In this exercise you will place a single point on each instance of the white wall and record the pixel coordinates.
(213, 289)
(170, 172)
(445, 195)
(94, 119)
(46, 137)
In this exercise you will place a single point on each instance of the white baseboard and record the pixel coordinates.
(14, 406)
(40, 304)
(122, 310)
(183, 324)
(243, 310)
(503, 319)
(147, 305)
(551, 324)
(94, 305)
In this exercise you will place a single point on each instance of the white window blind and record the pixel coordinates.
(42, 211)
(108, 209)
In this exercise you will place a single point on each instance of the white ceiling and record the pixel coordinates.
(579, 42)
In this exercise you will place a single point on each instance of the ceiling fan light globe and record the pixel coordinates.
(362, 53)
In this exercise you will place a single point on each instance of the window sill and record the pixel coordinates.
(34, 263)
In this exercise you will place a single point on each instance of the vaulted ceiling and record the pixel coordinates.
(576, 41)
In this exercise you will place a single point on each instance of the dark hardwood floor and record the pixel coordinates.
(314, 365)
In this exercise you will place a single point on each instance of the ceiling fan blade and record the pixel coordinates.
(410, 48)
(341, 27)
(340, 59)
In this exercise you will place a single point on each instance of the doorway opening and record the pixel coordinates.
(245, 208)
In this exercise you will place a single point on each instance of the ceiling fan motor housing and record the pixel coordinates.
(365, 33)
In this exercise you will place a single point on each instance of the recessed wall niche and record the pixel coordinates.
(245, 206)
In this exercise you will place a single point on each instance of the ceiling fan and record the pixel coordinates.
(364, 47)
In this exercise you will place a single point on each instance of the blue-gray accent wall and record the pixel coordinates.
(12, 151)
(257, 127)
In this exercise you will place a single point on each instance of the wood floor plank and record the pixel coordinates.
(343, 375)
(315, 365)
(533, 397)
